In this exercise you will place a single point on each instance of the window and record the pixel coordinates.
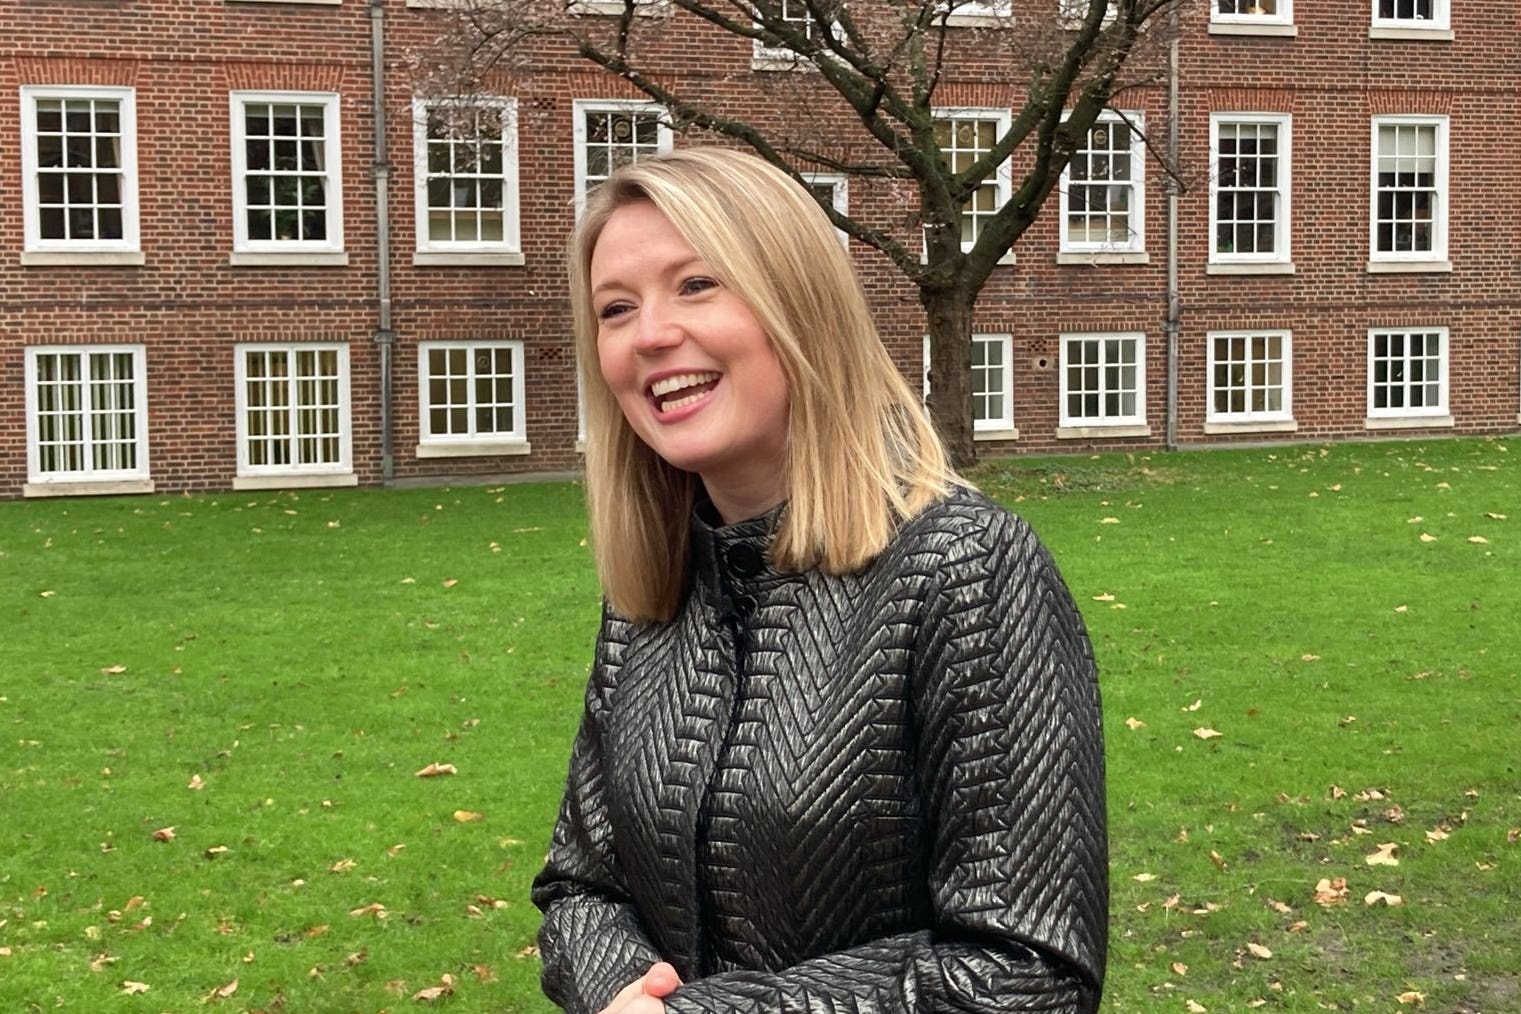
(287, 190)
(1421, 15)
(1249, 189)
(466, 179)
(1249, 376)
(1409, 213)
(471, 396)
(1103, 189)
(79, 172)
(796, 16)
(86, 414)
(1407, 373)
(975, 12)
(1103, 380)
(293, 409)
(1252, 13)
(964, 136)
(992, 379)
(834, 190)
(610, 134)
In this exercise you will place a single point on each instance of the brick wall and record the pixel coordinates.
(188, 305)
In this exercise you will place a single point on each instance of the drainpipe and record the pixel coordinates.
(385, 338)
(1173, 324)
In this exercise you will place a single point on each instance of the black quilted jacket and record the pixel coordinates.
(874, 793)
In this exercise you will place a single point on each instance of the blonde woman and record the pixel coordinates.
(841, 748)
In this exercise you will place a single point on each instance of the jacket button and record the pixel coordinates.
(744, 605)
(745, 560)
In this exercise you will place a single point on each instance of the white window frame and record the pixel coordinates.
(1136, 242)
(1439, 25)
(1280, 259)
(325, 473)
(764, 57)
(1132, 424)
(507, 250)
(1434, 259)
(104, 480)
(604, 7)
(1001, 427)
(439, 445)
(1003, 176)
(291, 251)
(1251, 420)
(839, 188)
(664, 138)
(1406, 416)
(980, 14)
(1250, 17)
(1071, 14)
(36, 249)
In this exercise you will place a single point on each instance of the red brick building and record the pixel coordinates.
(221, 266)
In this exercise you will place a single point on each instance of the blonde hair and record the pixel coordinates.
(861, 453)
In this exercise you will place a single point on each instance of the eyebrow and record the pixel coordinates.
(673, 268)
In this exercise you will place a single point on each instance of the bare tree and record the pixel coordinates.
(876, 67)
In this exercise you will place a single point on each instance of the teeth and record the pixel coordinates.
(671, 406)
(668, 384)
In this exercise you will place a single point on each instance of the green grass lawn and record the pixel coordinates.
(1306, 654)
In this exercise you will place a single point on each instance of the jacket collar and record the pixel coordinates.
(726, 555)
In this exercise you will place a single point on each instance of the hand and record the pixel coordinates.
(643, 995)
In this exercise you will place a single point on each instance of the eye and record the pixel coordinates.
(699, 283)
(613, 310)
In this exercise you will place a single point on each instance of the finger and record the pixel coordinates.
(627, 993)
(644, 1004)
(661, 980)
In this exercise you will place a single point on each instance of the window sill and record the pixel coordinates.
(1409, 422)
(474, 259)
(1096, 257)
(310, 480)
(81, 258)
(1411, 34)
(1271, 31)
(979, 20)
(328, 3)
(1250, 268)
(292, 258)
(641, 7)
(1409, 267)
(781, 62)
(1010, 433)
(1103, 432)
(71, 487)
(1225, 428)
(477, 449)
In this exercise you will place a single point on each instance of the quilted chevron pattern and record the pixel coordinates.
(875, 793)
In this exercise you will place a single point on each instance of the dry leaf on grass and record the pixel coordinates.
(1204, 733)
(342, 866)
(132, 988)
(468, 816)
(1412, 997)
(1195, 1007)
(374, 908)
(444, 988)
(115, 670)
(164, 834)
(1259, 952)
(1374, 897)
(435, 769)
(196, 783)
(1384, 856)
(1330, 892)
(221, 992)
(1178, 968)
(1134, 723)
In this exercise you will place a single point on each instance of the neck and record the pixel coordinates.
(743, 501)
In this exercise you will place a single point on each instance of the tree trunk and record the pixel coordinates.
(949, 314)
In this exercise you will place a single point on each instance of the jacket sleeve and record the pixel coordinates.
(591, 941)
(1011, 770)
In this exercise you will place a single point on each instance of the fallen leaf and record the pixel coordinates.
(1279, 907)
(342, 866)
(1195, 706)
(1330, 892)
(196, 783)
(451, 582)
(1144, 878)
(1178, 968)
(1412, 997)
(1109, 521)
(1203, 733)
(1402, 609)
(132, 988)
(435, 769)
(217, 850)
(115, 670)
(47, 594)
(1374, 897)
(1309, 657)
(1217, 859)
(444, 988)
(1425, 537)
(483, 973)
(395, 850)
(1493, 516)
(374, 908)
(1258, 951)
(1438, 833)
(1134, 723)
(101, 961)
(222, 992)
(1298, 926)
(1384, 856)
(357, 958)
(1481, 540)
(1194, 1007)
(466, 816)
(164, 834)
(1105, 597)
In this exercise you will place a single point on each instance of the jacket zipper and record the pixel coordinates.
(701, 930)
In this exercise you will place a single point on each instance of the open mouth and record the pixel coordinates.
(682, 389)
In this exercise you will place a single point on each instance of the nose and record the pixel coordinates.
(659, 328)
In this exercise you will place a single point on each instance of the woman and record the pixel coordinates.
(841, 747)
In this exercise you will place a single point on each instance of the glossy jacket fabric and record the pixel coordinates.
(874, 793)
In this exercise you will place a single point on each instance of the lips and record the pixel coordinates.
(678, 390)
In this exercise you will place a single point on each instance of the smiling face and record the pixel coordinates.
(689, 363)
